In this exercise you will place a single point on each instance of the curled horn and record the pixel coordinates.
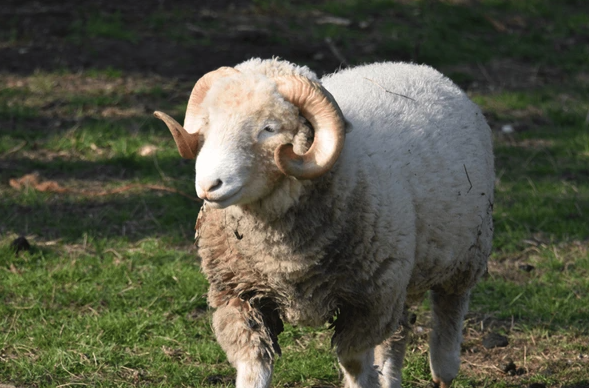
(319, 107)
(187, 143)
(187, 137)
(199, 93)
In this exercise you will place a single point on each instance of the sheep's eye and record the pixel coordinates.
(268, 128)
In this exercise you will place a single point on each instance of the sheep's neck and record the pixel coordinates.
(271, 209)
(298, 233)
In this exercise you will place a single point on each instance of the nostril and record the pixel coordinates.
(214, 185)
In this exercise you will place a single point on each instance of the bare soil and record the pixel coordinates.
(44, 37)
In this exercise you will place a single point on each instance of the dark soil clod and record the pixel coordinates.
(508, 366)
(526, 267)
(20, 244)
(412, 319)
(495, 340)
(197, 313)
(219, 380)
(536, 385)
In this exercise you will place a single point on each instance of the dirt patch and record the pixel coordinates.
(184, 39)
(59, 101)
(209, 35)
(506, 73)
(530, 354)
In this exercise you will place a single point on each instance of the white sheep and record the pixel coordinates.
(342, 200)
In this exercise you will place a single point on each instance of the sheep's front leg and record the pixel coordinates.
(389, 355)
(358, 330)
(356, 334)
(248, 335)
(358, 369)
(446, 335)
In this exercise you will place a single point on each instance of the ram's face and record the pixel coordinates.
(242, 122)
(246, 134)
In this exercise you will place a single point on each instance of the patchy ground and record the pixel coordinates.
(176, 39)
(110, 293)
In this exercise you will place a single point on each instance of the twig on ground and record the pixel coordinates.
(483, 366)
(117, 254)
(150, 214)
(336, 52)
(159, 170)
(485, 74)
(34, 181)
(192, 28)
(19, 147)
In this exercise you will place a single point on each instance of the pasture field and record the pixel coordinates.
(109, 292)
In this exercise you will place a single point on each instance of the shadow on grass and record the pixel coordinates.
(580, 384)
(115, 169)
(130, 215)
(123, 217)
(189, 39)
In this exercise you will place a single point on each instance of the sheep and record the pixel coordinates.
(343, 201)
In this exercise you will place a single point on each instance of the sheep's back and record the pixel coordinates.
(416, 132)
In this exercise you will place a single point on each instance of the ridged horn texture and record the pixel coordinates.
(319, 107)
(199, 93)
(187, 143)
(187, 139)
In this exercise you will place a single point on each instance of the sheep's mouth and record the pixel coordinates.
(225, 200)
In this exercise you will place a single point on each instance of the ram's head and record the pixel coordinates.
(246, 133)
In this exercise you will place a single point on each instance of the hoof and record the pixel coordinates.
(440, 384)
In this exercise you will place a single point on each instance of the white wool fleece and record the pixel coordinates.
(406, 209)
(412, 127)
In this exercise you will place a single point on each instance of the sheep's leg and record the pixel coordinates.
(253, 374)
(358, 369)
(357, 332)
(355, 337)
(248, 337)
(446, 335)
(389, 355)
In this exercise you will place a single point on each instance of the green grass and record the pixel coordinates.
(445, 33)
(111, 294)
(542, 172)
(101, 25)
(86, 314)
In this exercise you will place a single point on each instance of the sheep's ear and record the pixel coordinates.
(187, 143)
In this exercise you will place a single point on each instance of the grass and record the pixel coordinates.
(102, 25)
(111, 294)
(92, 318)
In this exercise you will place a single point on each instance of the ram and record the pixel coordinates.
(340, 200)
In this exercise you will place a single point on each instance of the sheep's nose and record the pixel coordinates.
(211, 185)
